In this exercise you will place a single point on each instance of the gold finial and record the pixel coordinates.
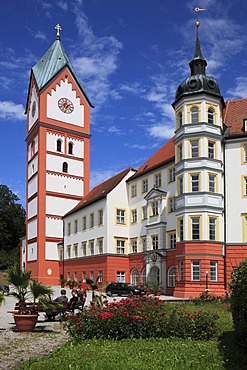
(58, 28)
(198, 10)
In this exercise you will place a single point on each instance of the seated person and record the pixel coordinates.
(62, 298)
(73, 300)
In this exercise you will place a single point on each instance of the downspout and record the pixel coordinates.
(225, 214)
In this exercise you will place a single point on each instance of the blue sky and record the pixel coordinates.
(130, 55)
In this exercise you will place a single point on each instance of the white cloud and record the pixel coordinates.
(11, 111)
(240, 89)
(114, 130)
(97, 60)
(63, 5)
(136, 88)
(99, 176)
(40, 35)
(161, 131)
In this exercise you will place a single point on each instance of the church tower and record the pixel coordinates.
(58, 145)
(199, 181)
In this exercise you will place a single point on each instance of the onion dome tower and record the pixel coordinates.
(199, 179)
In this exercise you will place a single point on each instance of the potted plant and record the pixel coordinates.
(71, 283)
(29, 294)
(62, 282)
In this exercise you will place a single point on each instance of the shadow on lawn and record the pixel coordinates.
(233, 352)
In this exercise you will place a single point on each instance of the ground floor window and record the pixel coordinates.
(195, 270)
(181, 270)
(144, 279)
(100, 277)
(171, 276)
(213, 271)
(120, 276)
(134, 277)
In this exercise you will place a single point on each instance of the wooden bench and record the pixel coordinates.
(59, 308)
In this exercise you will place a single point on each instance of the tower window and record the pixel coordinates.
(194, 115)
(211, 149)
(210, 115)
(70, 148)
(194, 144)
(180, 119)
(32, 148)
(195, 228)
(65, 167)
(59, 145)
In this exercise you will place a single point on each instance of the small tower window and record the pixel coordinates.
(65, 167)
(180, 119)
(194, 115)
(70, 148)
(32, 148)
(210, 115)
(59, 145)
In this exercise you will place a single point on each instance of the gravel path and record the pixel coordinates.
(15, 347)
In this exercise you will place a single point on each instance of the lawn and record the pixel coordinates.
(154, 353)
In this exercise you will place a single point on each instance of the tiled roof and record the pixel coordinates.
(100, 191)
(234, 114)
(164, 155)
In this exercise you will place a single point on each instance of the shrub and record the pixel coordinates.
(239, 300)
(141, 317)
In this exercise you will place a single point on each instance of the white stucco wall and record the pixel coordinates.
(64, 90)
(236, 205)
(58, 206)
(33, 167)
(32, 186)
(32, 252)
(51, 142)
(32, 229)
(32, 208)
(55, 163)
(51, 251)
(54, 227)
(34, 97)
(65, 185)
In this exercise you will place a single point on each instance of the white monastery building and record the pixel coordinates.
(179, 220)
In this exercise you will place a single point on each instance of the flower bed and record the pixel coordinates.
(141, 317)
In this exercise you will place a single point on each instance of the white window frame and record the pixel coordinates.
(171, 276)
(196, 270)
(213, 271)
(120, 276)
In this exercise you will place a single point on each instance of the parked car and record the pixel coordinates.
(124, 289)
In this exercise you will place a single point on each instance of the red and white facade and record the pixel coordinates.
(179, 220)
(58, 147)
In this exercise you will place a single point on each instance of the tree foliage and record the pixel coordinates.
(239, 300)
(12, 226)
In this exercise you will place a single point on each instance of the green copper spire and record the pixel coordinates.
(198, 63)
(52, 62)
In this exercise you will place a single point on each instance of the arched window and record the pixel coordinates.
(144, 279)
(194, 115)
(210, 115)
(59, 145)
(32, 148)
(134, 277)
(180, 119)
(70, 148)
(65, 167)
(171, 276)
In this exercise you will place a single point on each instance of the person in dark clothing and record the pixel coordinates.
(73, 300)
(62, 298)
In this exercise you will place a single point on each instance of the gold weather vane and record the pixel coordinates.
(198, 10)
(58, 28)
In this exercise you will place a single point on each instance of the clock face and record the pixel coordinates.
(33, 108)
(65, 105)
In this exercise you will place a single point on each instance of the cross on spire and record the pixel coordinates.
(58, 28)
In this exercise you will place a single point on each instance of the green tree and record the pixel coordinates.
(12, 227)
(239, 301)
